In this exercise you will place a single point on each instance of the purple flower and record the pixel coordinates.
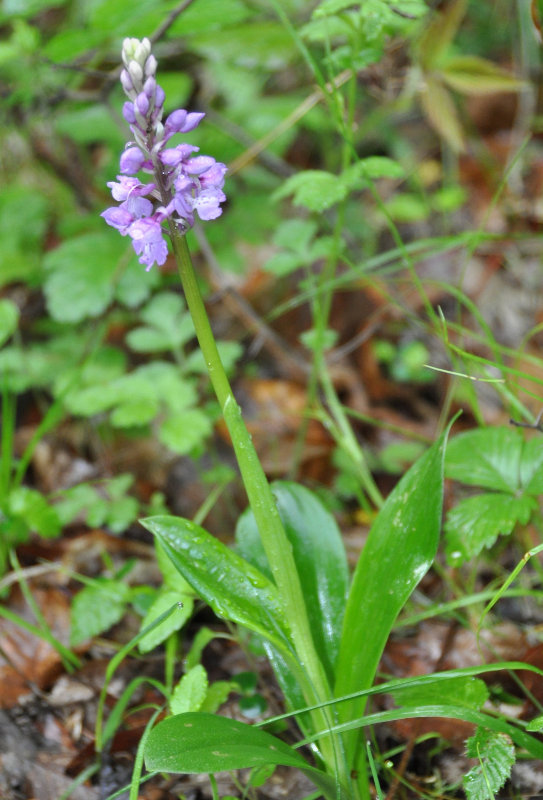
(183, 184)
(148, 241)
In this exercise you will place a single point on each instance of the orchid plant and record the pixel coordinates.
(287, 581)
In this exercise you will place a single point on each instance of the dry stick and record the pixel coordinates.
(254, 151)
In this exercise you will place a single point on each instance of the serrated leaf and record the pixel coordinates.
(31, 506)
(169, 325)
(80, 272)
(233, 588)
(139, 411)
(190, 692)
(96, 608)
(476, 522)
(184, 431)
(165, 600)
(496, 755)
(472, 75)
(314, 189)
(487, 457)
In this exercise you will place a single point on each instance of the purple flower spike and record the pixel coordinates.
(183, 184)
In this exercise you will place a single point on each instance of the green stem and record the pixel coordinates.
(274, 539)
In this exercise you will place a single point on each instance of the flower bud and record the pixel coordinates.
(128, 113)
(150, 66)
(126, 82)
(136, 74)
(142, 104)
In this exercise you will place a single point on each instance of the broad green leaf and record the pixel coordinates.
(469, 692)
(476, 522)
(209, 15)
(487, 457)
(262, 44)
(91, 123)
(472, 75)
(9, 318)
(496, 755)
(315, 189)
(68, 43)
(190, 692)
(399, 550)
(320, 561)
(200, 742)
(96, 608)
(233, 588)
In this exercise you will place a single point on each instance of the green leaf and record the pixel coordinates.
(320, 559)
(9, 318)
(31, 507)
(169, 325)
(469, 692)
(399, 550)
(96, 608)
(233, 588)
(184, 431)
(496, 755)
(217, 694)
(476, 522)
(190, 692)
(492, 458)
(315, 189)
(374, 168)
(472, 75)
(22, 242)
(200, 742)
(165, 600)
(79, 282)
